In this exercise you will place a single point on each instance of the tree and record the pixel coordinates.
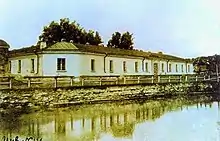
(93, 38)
(115, 40)
(51, 33)
(97, 38)
(124, 41)
(69, 32)
(208, 64)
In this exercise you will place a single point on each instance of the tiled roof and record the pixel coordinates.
(24, 51)
(65, 46)
(116, 51)
(62, 46)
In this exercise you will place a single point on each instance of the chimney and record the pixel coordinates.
(43, 45)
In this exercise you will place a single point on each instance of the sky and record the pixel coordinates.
(185, 28)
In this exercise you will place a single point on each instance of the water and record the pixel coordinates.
(159, 120)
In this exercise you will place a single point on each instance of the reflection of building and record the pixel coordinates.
(120, 123)
(71, 59)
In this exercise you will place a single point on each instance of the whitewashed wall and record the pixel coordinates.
(80, 64)
(85, 64)
(26, 65)
(130, 65)
(85, 69)
(50, 65)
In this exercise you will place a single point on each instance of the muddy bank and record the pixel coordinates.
(30, 100)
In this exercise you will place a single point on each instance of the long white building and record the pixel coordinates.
(68, 59)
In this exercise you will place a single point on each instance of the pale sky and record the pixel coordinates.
(185, 28)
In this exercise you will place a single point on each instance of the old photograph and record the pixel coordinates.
(109, 70)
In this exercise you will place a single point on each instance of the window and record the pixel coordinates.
(162, 67)
(124, 66)
(9, 66)
(182, 68)
(176, 68)
(32, 65)
(136, 66)
(92, 65)
(170, 67)
(146, 67)
(188, 68)
(19, 66)
(111, 65)
(61, 64)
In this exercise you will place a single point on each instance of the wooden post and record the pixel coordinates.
(29, 82)
(55, 83)
(71, 81)
(196, 78)
(169, 79)
(138, 79)
(186, 79)
(10, 82)
(124, 80)
(82, 82)
(180, 78)
(158, 79)
(116, 81)
(204, 78)
(100, 83)
(152, 79)
(209, 77)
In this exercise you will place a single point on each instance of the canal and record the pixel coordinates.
(178, 119)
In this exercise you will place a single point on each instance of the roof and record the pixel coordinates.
(61, 46)
(66, 46)
(24, 51)
(3, 44)
(125, 52)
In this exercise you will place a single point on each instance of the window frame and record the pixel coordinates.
(136, 66)
(19, 66)
(176, 67)
(188, 68)
(162, 67)
(170, 67)
(182, 68)
(32, 65)
(111, 68)
(146, 67)
(92, 65)
(124, 66)
(61, 64)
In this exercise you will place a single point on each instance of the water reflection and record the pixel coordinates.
(96, 122)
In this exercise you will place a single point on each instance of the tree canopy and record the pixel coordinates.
(64, 30)
(207, 64)
(122, 41)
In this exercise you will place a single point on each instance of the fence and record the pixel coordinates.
(83, 81)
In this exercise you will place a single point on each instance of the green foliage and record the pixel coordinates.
(124, 41)
(93, 38)
(69, 32)
(208, 64)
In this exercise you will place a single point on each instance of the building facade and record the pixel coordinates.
(68, 59)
